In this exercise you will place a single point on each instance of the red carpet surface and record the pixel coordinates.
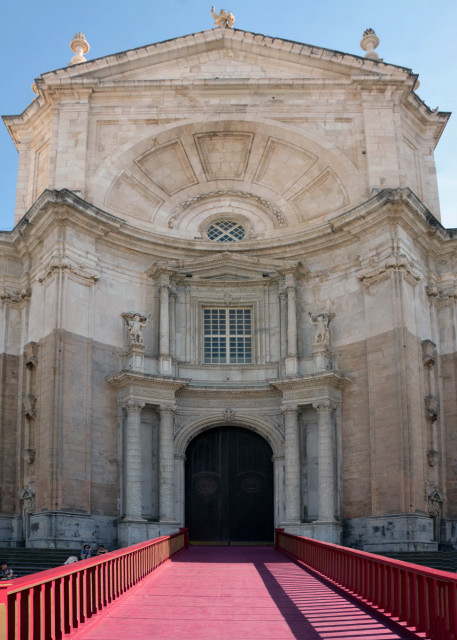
(233, 593)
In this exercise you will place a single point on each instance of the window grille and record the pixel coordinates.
(227, 336)
(226, 231)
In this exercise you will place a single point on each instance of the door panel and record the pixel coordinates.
(229, 487)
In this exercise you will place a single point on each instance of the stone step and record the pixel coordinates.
(26, 561)
(443, 560)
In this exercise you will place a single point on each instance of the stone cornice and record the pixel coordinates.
(125, 379)
(65, 207)
(312, 382)
(228, 393)
(398, 263)
(60, 262)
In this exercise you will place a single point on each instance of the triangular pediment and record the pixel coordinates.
(224, 53)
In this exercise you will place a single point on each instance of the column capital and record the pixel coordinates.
(133, 406)
(166, 410)
(290, 409)
(324, 405)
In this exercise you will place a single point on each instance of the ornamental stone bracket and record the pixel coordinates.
(62, 263)
(394, 263)
(428, 353)
(444, 291)
(432, 408)
(29, 402)
(15, 296)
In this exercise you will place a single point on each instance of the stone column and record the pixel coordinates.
(292, 465)
(291, 317)
(292, 337)
(164, 344)
(167, 463)
(133, 498)
(164, 317)
(326, 464)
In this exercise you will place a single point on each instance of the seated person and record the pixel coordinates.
(101, 549)
(5, 573)
(86, 552)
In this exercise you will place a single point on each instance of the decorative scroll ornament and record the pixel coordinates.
(276, 213)
(60, 262)
(228, 414)
(225, 19)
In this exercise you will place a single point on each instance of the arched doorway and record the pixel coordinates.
(229, 487)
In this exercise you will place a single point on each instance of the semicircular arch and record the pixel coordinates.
(264, 428)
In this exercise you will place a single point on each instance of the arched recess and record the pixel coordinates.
(289, 176)
(229, 487)
(266, 428)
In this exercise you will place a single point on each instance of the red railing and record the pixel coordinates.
(424, 599)
(49, 604)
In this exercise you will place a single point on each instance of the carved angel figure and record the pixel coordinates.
(225, 19)
(135, 327)
(322, 323)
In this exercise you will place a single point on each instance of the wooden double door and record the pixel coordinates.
(229, 487)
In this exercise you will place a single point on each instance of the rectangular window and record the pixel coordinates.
(227, 336)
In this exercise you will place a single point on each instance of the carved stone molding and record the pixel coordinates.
(60, 262)
(278, 218)
(29, 402)
(381, 271)
(31, 355)
(432, 407)
(428, 353)
(228, 414)
(324, 406)
(15, 296)
(433, 457)
(28, 455)
(133, 406)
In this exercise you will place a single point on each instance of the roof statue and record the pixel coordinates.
(369, 42)
(225, 19)
(79, 46)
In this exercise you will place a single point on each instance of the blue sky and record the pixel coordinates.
(418, 34)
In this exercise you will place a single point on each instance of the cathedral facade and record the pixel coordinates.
(228, 302)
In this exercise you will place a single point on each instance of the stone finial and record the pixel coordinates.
(225, 19)
(369, 42)
(79, 46)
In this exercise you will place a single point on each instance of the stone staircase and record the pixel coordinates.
(443, 560)
(25, 561)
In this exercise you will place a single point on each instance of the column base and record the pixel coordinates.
(325, 531)
(291, 363)
(391, 533)
(328, 531)
(133, 531)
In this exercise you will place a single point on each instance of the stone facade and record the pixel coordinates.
(322, 163)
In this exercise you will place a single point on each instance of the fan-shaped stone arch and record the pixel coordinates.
(292, 178)
(266, 428)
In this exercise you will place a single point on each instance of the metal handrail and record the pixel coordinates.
(51, 603)
(422, 598)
